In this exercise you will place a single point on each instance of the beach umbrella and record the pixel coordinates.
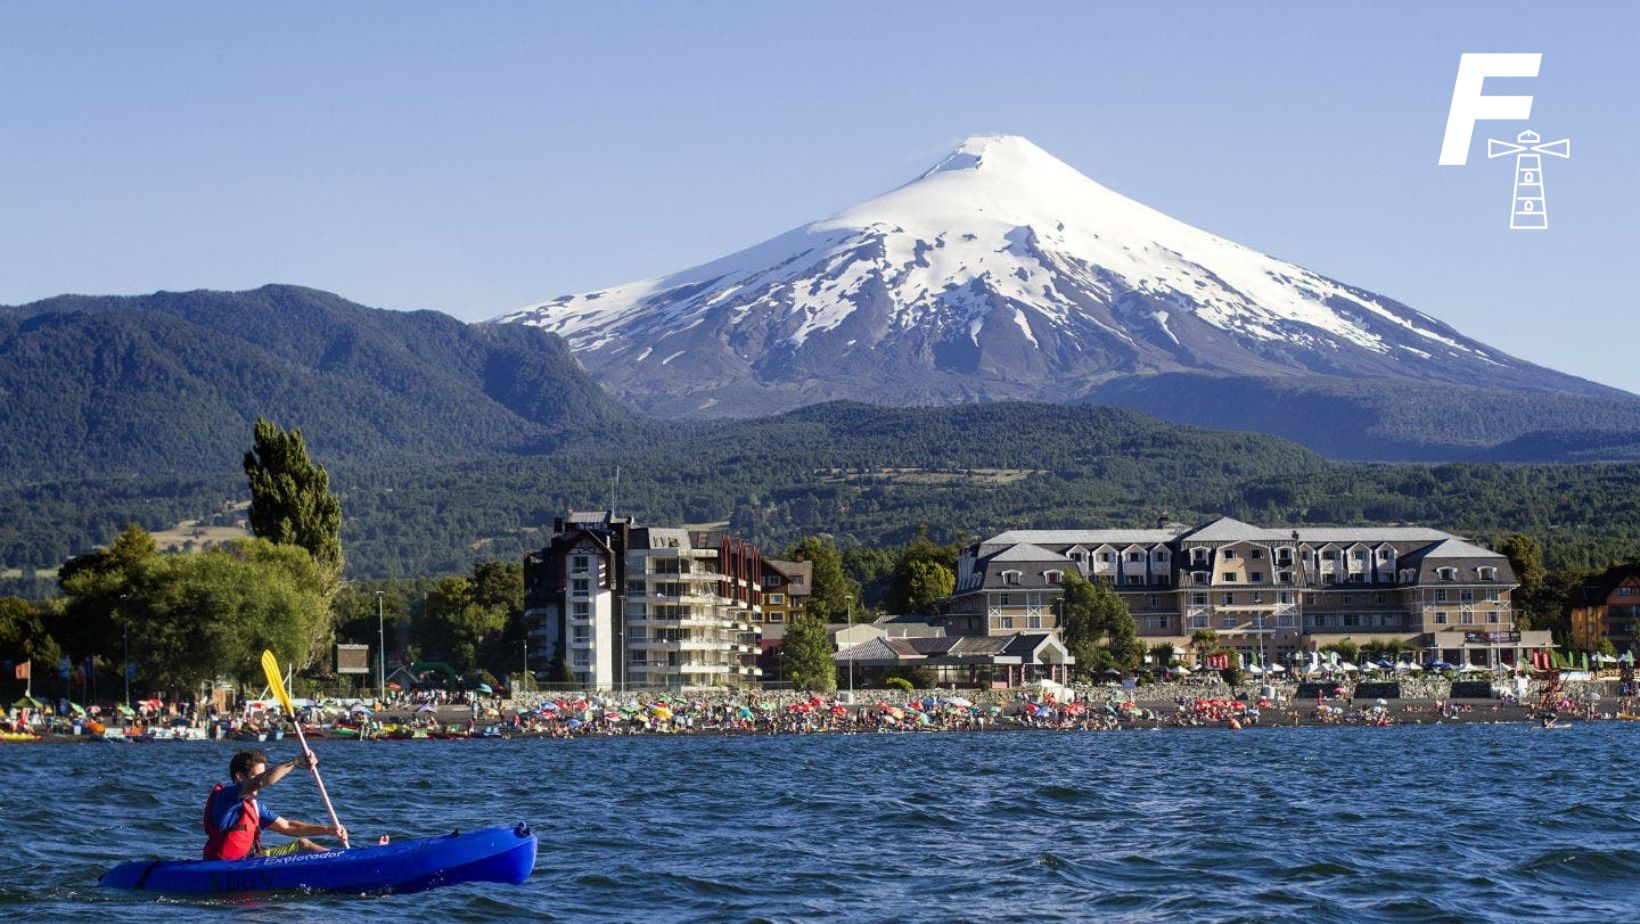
(394, 686)
(360, 710)
(839, 710)
(575, 723)
(485, 688)
(662, 713)
(959, 701)
(1383, 703)
(125, 710)
(1277, 669)
(431, 709)
(75, 708)
(745, 712)
(993, 709)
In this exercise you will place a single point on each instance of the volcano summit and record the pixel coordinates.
(1003, 272)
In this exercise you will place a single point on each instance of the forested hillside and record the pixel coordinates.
(872, 476)
(170, 383)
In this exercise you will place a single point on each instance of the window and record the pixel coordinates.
(1384, 554)
(1488, 574)
(1257, 599)
(581, 634)
(1010, 577)
(1440, 617)
(1357, 577)
(1229, 599)
(1053, 577)
(1466, 596)
(1309, 599)
(1135, 579)
(1229, 576)
(1161, 555)
(1284, 577)
(1359, 555)
(636, 588)
(1135, 556)
(1285, 621)
(1284, 597)
(777, 599)
(1625, 591)
(1330, 555)
(1440, 595)
(1227, 622)
(583, 658)
(1105, 557)
(1256, 576)
(1468, 618)
(1447, 574)
(1005, 622)
(1033, 622)
(1199, 622)
(1199, 555)
(579, 564)
(1492, 616)
(1198, 599)
(1351, 619)
(580, 586)
(777, 617)
(1258, 553)
(580, 610)
(1227, 554)
(1199, 577)
(1329, 578)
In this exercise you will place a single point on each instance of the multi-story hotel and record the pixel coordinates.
(625, 605)
(1608, 609)
(1284, 591)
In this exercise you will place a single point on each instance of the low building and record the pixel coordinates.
(1279, 592)
(1608, 609)
(964, 660)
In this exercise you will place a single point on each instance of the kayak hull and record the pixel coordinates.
(490, 855)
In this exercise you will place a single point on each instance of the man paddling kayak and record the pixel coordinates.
(235, 818)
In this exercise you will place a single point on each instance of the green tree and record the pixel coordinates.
(22, 631)
(919, 561)
(1203, 641)
(1097, 626)
(199, 616)
(1162, 656)
(291, 500)
(1347, 650)
(1526, 558)
(832, 594)
(457, 623)
(806, 655)
(926, 584)
(92, 584)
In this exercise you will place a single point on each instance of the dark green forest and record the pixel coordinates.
(869, 476)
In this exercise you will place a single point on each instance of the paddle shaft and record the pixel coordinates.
(297, 722)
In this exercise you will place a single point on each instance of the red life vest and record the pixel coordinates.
(237, 842)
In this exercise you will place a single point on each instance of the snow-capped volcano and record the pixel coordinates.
(1002, 272)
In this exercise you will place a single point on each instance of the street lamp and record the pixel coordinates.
(381, 647)
(125, 668)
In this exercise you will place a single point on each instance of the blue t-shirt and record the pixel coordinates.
(225, 809)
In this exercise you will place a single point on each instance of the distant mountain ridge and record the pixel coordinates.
(1003, 273)
(170, 382)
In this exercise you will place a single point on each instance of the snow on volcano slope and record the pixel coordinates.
(1001, 272)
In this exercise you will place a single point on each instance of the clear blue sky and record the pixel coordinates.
(476, 157)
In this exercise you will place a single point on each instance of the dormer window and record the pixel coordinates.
(1227, 554)
(1488, 574)
(1161, 555)
(1053, 577)
(1135, 556)
(1010, 577)
(1329, 555)
(1447, 574)
(1200, 577)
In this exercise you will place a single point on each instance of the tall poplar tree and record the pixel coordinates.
(291, 500)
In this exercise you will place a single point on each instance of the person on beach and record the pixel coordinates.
(235, 818)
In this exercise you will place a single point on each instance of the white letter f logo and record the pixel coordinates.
(1470, 106)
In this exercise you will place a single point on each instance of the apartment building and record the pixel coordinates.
(1608, 609)
(1282, 591)
(626, 605)
(786, 587)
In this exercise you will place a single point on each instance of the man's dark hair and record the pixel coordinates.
(244, 761)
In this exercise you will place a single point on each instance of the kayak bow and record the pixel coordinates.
(490, 855)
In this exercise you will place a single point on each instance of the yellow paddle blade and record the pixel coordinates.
(270, 666)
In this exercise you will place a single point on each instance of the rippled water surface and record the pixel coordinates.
(1319, 824)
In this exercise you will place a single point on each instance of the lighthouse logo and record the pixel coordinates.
(1528, 205)
(1529, 210)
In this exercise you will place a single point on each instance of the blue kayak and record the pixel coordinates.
(491, 855)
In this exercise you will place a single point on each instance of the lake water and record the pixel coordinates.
(1316, 824)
